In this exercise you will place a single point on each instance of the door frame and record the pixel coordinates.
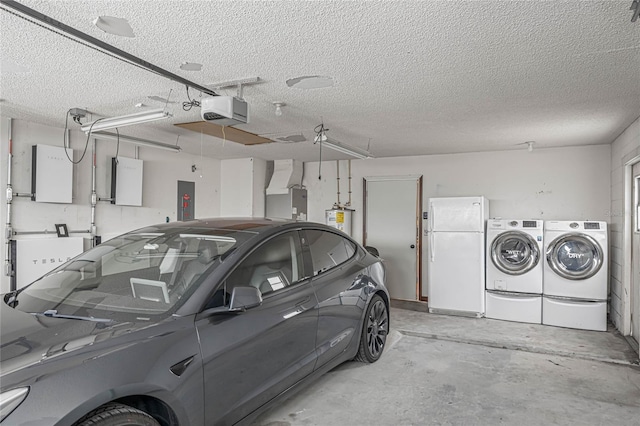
(418, 180)
(627, 247)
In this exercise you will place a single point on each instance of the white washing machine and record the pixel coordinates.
(576, 273)
(514, 270)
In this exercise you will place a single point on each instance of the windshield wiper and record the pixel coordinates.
(52, 313)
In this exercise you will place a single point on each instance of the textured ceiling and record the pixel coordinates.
(410, 77)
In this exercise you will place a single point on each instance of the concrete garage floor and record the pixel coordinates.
(446, 370)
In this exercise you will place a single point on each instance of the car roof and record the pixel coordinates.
(240, 224)
(255, 225)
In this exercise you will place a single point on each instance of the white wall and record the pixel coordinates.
(259, 186)
(623, 149)
(162, 170)
(559, 183)
(242, 187)
(549, 184)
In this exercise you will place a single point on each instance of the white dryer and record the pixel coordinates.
(576, 274)
(514, 270)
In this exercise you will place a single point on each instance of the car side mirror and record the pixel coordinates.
(243, 298)
(374, 251)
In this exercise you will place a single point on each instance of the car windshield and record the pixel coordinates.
(136, 276)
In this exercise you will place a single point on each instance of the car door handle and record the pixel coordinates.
(298, 308)
(297, 311)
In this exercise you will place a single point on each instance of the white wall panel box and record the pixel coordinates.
(126, 181)
(37, 256)
(51, 174)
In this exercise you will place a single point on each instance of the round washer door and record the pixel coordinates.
(575, 256)
(515, 252)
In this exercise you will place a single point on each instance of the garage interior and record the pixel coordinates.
(359, 115)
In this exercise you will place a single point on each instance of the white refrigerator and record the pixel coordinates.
(455, 255)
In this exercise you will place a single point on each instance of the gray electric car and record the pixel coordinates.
(193, 323)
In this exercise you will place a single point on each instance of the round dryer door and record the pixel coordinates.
(514, 252)
(575, 256)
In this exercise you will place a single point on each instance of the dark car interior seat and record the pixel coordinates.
(207, 253)
(272, 266)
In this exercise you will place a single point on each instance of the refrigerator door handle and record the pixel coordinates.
(433, 247)
(432, 212)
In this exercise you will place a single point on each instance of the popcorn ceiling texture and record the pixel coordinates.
(411, 78)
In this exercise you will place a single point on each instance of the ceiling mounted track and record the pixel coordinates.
(52, 24)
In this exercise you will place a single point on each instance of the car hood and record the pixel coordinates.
(28, 339)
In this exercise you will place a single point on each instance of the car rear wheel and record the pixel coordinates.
(117, 415)
(374, 331)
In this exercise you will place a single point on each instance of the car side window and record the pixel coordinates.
(273, 266)
(328, 250)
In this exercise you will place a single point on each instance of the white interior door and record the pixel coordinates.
(392, 225)
(635, 257)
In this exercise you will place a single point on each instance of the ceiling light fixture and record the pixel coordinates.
(136, 141)
(343, 148)
(125, 120)
(114, 25)
(278, 106)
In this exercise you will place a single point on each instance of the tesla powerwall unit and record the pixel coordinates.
(126, 181)
(51, 174)
(36, 257)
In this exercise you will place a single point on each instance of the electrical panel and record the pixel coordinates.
(186, 200)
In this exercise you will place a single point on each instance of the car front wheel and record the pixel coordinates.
(374, 331)
(117, 415)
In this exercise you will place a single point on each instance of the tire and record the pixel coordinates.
(117, 415)
(374, 331)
